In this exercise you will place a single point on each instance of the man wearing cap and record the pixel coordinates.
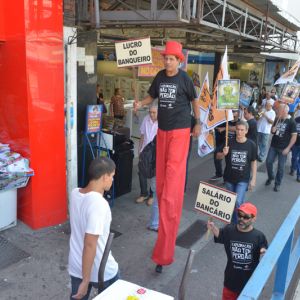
(243, 245)
(264, 124)
(176, 94)
(284, 137)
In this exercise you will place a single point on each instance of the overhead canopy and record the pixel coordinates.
(247, 27)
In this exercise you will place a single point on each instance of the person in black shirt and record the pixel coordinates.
(220, 131)
(176, 95)
(284, 137)
(249, 113)
(243, 245)
(295, 161)
(240, 158)
(100, 99)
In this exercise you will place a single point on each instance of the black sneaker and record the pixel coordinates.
(298, 179)
(268, 182)
(158, 268)
(276, 188)
(214, 178)
(292, 173)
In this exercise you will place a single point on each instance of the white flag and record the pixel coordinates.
(289, 75)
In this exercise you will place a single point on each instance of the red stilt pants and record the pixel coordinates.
(171, 158)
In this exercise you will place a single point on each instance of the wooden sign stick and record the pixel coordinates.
(226, 134)
(134, 86)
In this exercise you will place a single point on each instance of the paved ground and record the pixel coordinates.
(44, 274)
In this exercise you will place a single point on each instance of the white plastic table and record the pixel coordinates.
(121, 289)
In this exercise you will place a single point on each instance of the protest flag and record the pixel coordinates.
(204, 99)
(289, 75)
(205, 143)
(218, 116)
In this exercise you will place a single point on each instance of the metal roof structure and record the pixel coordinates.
(246, 26)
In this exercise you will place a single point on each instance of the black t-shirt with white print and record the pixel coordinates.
(238, 161)
(243, 253)
(284, 129)
(174, 94)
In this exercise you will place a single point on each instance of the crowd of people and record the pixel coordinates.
(169, 124)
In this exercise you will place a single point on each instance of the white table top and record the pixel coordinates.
(121, 289)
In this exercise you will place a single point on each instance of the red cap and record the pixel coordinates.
(248, 208)
(174, 48)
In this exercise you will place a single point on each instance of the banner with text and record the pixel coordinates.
(133, 52)
(215, 202)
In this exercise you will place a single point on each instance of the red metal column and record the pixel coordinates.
(32, 104)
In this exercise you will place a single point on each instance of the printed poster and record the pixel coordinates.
(245, 94)
(228, 94)
(93, 118)
(290, 93)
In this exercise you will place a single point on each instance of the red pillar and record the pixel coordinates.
(32, 104)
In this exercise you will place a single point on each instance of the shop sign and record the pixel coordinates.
(290, 93)
(215, 202)
(157, 64)
(93, 118)
(133, 52)
(228, 94)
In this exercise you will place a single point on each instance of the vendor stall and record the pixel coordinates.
(14, 174)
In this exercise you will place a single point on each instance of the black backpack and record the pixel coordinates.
(147, 160)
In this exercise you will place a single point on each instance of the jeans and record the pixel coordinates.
(240, 189)
(296, 160)
(262, 143)
(272, 154)
(154, 219)
(75, 282)
(143, 186)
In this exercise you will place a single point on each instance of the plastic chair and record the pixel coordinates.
(104, 260)
(187, 269)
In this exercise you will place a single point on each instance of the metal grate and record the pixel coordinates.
(191, 235)
(10, 254)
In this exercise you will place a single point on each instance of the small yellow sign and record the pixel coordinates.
(215, 202)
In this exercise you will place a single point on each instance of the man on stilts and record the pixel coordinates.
(175, 92)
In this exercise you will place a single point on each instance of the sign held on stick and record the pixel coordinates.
(215, 202)
(133, 52)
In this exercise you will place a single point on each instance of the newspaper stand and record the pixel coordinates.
(14, 174)
(93, 140)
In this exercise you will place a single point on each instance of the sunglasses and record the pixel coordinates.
(245, 217)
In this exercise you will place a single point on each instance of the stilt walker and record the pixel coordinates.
(176, 93)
